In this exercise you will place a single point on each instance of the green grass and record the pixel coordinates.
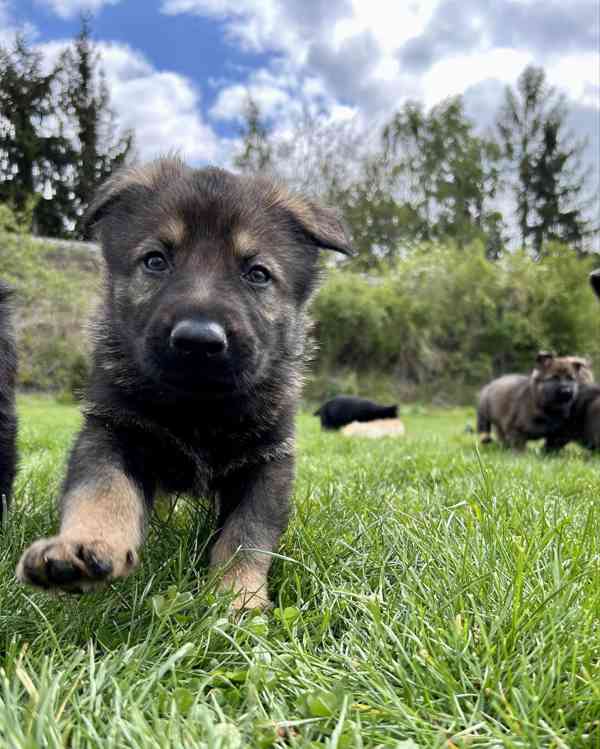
(424, 596)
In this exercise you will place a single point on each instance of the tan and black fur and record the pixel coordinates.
(8, 418)
(198, 362)
(522, 408)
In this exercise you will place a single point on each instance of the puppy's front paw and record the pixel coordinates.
(249, 586)
(73, 565)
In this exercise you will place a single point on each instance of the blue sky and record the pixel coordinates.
(179, 71)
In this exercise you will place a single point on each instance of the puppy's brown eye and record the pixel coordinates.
(258, 275)
(155, 262)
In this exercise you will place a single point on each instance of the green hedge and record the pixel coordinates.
(56, 287)
(436, 326)
(445, 320)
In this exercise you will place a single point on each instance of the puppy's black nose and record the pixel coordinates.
(193, 336)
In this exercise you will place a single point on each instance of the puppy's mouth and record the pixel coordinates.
(196, 374)
(560, 399)
(565, 397)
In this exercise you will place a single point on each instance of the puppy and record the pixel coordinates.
(344, 409)
(197, 369)
(522, 408)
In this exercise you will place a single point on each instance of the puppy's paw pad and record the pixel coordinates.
(72, 565)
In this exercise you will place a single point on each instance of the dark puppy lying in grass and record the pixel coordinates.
(522, 407)
(199, 354)
(8, 419)
(344, 409)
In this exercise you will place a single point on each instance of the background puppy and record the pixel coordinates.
(344, 409)
(522, 408)
(199, 354)
(583, 424)
(8, 419)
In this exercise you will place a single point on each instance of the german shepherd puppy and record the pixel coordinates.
(522, 407)
(583, 424)
(8, 418)
(344, 409)
(197, 368)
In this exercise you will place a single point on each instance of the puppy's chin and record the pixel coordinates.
(197, 378)
(555, 404)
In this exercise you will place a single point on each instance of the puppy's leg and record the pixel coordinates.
(8, 456)
(484, 422)
(555, 443)
(103, 520)
(254, 507)
(516, 441)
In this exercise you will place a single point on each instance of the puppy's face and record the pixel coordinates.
(209, 273)
(556, 379)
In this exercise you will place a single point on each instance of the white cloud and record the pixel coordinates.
(162, 107)
(452, 76)
(579, 76)
(370, 56)
(71, 8)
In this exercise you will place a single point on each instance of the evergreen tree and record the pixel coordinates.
(99, 147)
(549, 185)
(35, 154)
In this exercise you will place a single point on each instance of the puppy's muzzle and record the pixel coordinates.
(565, 394)
(199, 336)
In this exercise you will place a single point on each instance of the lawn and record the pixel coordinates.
(424, 596)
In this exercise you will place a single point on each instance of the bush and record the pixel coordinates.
(56, 286)
(435, 327)
(445, 319)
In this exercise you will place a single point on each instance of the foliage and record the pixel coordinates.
(449, 317)
(56, 286)
(439, 323)
(35, 159)
(449, 175)
(58, 134)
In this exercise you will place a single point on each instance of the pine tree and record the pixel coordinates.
(99, 147)
(35, 154)
(548, 184)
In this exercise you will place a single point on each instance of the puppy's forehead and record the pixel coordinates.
(215, 204)
(562, 367)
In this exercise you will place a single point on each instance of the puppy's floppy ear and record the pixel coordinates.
(583, 369)
(579, 362)
(135, 181)
(595, 282)
(544, 359)
(320, 225)
(326, 229)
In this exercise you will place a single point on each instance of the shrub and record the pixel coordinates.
(56, 286)
(448, 319)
